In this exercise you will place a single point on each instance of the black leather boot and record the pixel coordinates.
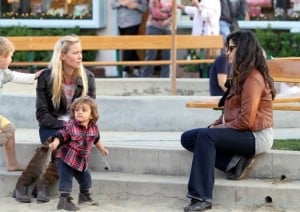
(42, 193)
(21, 194)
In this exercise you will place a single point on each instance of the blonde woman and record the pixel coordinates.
(59, 85)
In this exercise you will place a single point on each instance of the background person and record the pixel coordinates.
(129, 18)
(205, 14)
(242, 131)
(231, 12)
(59, 85)
(218, 73)
(158, 23)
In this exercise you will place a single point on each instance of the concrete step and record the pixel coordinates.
(228, 194)
(138, 113)
(176, 162)
(133, 87)
(154, 165)
(160, 153)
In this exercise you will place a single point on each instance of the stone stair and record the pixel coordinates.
(146, 160)
(144, 165)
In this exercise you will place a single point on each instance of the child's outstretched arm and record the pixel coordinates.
(101, 148)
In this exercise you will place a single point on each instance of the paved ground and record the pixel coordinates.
(133, 204)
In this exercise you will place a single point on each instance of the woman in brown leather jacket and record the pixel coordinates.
(242, 131)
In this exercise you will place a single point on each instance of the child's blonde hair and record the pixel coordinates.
(89, 101)
(6, 46)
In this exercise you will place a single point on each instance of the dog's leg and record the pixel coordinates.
(49, 177)
(34, 169)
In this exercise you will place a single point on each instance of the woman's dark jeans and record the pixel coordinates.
(66, 174)
(46, 132)
(213, 147)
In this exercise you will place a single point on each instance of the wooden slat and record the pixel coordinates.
(287, 58)
(139, 42)
(281, 70)
(30, 43)
(200, 41)
(38, 43)
(214, 104)
(98, 63)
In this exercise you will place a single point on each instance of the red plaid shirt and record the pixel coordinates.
(76, 143)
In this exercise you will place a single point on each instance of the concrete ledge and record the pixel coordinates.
(244, 193)
(138, 113)
(176, 162)
(133, 87)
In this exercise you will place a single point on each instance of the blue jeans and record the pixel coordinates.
(66, 174)
(224, 29)
(147, 71)
(213, 147)
(46, 132)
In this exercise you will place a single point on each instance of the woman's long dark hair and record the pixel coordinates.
(249, 56)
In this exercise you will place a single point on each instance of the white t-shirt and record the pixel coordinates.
(210, 15)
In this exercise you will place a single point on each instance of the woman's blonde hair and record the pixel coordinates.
(89, 101)
(6, 46)
(62, 47)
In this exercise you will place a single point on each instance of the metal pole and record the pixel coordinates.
(174, 48)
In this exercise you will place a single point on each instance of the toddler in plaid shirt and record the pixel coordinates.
(75, 141)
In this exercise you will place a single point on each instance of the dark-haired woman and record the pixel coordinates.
(244, 129)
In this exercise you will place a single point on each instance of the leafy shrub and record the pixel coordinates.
(45, 55)
(279, 43)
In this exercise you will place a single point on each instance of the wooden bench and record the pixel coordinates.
(282, 70)
(138, 42)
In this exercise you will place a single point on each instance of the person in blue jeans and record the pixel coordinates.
(158, 23)
(74, 142)
(244, 129)
(231, 11)
(58, 86)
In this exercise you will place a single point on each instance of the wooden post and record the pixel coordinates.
(174, 48)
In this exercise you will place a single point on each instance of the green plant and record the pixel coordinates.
(279, 43)
(287, 144)
(45, 55)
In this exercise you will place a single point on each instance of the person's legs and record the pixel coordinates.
(84, 180)
(165, 55)
(46, 132)
(50, 175)
(8, 140)
(147, 70)
(205, 142)
(224, 29)
(129, 55)
(165, 69)
(66, 174)
(10, 150)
